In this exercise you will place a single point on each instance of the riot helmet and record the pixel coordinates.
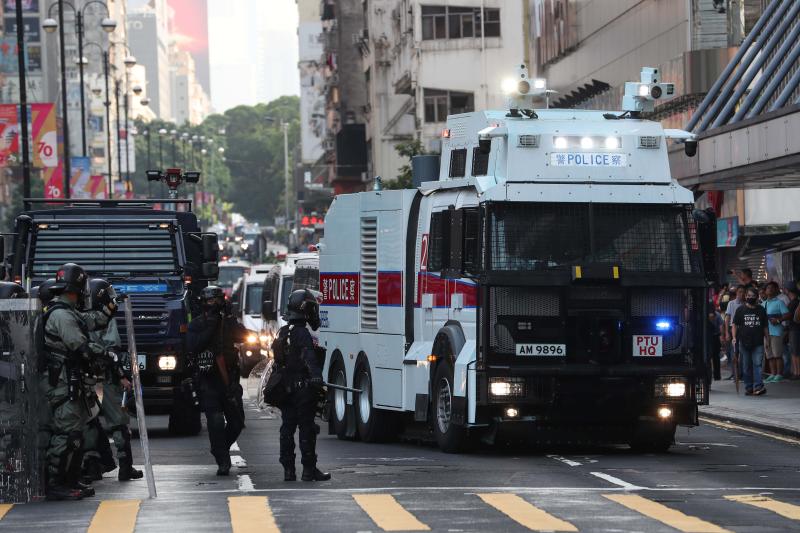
(303, 305)
(71, 278)
(102, 294)
(9, 289)
(44, 291)
(212, 299)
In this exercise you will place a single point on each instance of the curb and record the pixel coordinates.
(747, 422)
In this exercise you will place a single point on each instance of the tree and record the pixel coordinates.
(404, 178)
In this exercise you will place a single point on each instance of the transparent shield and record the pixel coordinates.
(24, 416)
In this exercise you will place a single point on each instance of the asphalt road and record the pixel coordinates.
(715, 479)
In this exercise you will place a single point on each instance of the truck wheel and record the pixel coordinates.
(450, 437)
(652, 438)
(374, 425)
(338, 401)
(184, 420)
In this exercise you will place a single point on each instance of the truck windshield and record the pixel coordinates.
(228, 276)
(118, 249)
(253, 299)
(638, 238)
(286, 290)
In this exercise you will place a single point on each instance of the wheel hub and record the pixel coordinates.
(444, 406)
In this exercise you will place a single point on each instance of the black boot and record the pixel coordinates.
(289, 473)
(127, 472)
(57, 491)
(224, 465)
(312, 473)
(92, 471)
(87, 491)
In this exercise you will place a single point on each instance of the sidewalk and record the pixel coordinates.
(777, 411)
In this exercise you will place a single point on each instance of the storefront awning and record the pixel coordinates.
(758, 245)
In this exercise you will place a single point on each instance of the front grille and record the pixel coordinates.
(150, 320)
(649, 305)
(510, 304)
(650, 142)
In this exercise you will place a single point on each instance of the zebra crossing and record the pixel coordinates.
(276, 512)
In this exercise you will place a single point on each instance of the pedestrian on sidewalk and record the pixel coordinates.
(727, 337)
(794, 330)
(777, 313)
(750, 332)
(745, 278)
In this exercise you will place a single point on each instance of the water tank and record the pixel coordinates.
(424, 168)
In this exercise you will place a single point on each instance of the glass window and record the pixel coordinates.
(453, 22)
(472, 235)
(439, 104)
(252, 302)
(491, 24)
(436, 242)
(480, 162)
(461, 102)
(434, 22)
(229, 275)
(288, 282)
(458, 163)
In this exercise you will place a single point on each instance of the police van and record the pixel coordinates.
(546, 278)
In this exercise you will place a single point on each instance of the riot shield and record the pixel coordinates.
(24, 414)
(137, 392)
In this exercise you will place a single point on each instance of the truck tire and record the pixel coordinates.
(374, 425)
(338, 402)
(450, 437)
(653, 438)
(184, 419)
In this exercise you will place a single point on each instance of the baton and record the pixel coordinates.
(342, 387)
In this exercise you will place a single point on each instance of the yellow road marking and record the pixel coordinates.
(387, 514)
(115, 515)
(526, 514)
(664, 514)
(784, 509)
(737, 427)
(5, 508)
(251, 514)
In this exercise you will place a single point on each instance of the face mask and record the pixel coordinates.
(752, 301)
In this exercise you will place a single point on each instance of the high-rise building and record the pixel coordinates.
(189, 30)
(149, 41)
(190, 103)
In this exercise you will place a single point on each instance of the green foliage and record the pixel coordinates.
(250, 172)
(404, 179)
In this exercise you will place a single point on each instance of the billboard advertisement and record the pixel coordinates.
(9, 134)
(53, 182)
(43, 135)
(190, 31)
(80, 181)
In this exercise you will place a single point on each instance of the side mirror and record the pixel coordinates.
(268, 310)
(485, 145)
(454, 236)
(210, 247)
(210, 270)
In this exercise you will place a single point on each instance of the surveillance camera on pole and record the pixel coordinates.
(522, 90)
(173, 177)
(641, 96)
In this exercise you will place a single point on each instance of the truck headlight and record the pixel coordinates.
(669, 387)
(252, 338)
(507, 387)
(167, 362)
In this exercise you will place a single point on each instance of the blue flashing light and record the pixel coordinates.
(663, 325)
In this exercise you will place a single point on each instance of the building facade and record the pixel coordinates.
(149, 42)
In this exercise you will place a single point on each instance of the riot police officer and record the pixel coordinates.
(68, 351)
(116, 380)
(211, 340)
(303, 376)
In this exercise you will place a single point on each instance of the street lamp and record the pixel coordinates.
(288, 184)
(161, 134)
(50, 25)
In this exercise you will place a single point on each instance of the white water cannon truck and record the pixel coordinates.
(548, 281)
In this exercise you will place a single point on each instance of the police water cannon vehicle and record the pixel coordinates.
(547, 278)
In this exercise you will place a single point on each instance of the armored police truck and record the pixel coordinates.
(547, 281)
(158, 257)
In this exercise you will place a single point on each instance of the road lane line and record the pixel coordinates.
(235, 447)
(737, 427)
(617, 481)
(786, 510)
(526, 514)
(115, 515)
(238, 460)
(244, 483)
(251, 514)
(5, 508)
(665, 515)
(564, 460)
(387, 514)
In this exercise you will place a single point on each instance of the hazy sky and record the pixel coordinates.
(253, 51)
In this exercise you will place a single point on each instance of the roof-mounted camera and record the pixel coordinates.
(173, 177)
(521, 91)
(641, 96)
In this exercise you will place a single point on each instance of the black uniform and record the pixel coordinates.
(302, 375)
(298, 411)
(211, 340)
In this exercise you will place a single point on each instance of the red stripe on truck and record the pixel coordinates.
(390, 288)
